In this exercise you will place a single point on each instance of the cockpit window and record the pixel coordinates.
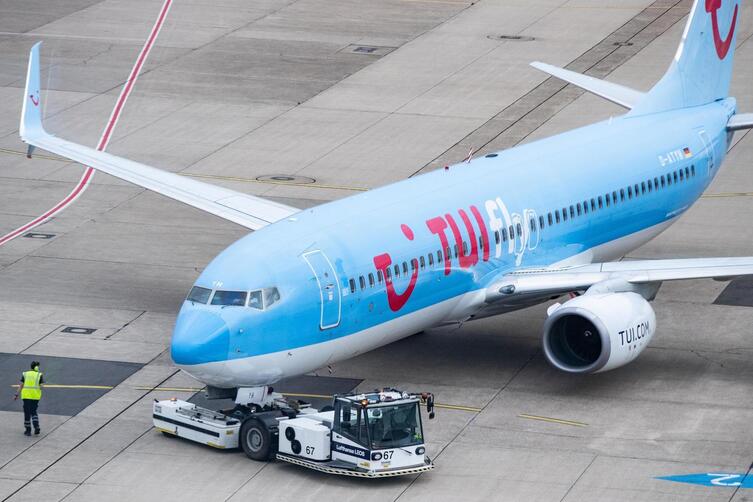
(254, 300)
(271, 296)
(199, 295)
(232, 298)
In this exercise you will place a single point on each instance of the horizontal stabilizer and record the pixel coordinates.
(740, 121)
(619, 94)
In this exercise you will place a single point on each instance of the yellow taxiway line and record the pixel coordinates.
(197, 389)
(553, 420)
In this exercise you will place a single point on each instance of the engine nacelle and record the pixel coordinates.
(598, 332)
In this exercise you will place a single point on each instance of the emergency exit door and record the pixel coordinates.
(329, 288)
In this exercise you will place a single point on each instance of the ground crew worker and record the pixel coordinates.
(31, 392)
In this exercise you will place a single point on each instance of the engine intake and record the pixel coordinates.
(598, 332)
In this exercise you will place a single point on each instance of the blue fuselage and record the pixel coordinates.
(450, 233)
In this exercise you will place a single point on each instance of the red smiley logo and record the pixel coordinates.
(722, 45)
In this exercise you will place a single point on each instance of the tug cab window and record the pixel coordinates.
(199, 295)
(229, 298)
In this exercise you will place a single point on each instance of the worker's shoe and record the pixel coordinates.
(36, 432)
(27, 432)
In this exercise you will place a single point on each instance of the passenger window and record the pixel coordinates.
(271, 296)
(622, 194)
(614, 197)
(362, 282)
(687, 172)
(254, 300)
(496, 236)
(405, 268)
(387, 274)
(422, 261)
(413, 264)
(593, 205)
(397, 271)
(564, 214)
(557, 215)
(439, 257)
(512, 232)
(549, 217)
(656, 183)
(637, 190)
(662, 181)
(431, 260)
(601, 202)
(649, 186)
(380, 277)
(674, 176)
(199, 295)
(480, 243)
(572, 212)
(606, 199)
(585, 207)
(682, 175)
(630, 192)
(692, 169)
(504, 235)
(669, 179)
(455, 248)
(465, 248)
(541, 222)
(577, 207)
(229, 298)
(352, 283)
(371, 280)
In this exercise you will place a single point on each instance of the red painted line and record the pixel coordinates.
(88, 174)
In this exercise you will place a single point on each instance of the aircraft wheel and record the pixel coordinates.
(256, 440)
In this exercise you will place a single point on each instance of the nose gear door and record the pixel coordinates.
(329, 288)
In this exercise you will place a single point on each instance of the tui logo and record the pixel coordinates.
(722, 45)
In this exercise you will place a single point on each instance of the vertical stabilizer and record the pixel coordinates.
(701, 70)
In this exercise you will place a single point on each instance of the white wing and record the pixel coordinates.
(553, 281)
(247, 210)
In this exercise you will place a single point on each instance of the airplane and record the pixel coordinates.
(505, 231)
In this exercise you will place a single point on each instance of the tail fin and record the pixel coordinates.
(31, 114)
(702, 68)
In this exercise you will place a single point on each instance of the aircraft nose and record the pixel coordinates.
(199, 337)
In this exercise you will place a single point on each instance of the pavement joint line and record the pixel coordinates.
(558, 88)
(553, 420)
(107, 422)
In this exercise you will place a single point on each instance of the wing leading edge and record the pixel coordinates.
(636, 273)
(246, 210)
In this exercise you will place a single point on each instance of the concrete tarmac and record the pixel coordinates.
(352, 94)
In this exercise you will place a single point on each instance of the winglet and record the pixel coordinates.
(623, 96)
(31, 114)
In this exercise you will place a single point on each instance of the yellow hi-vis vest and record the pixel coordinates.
(31, 389)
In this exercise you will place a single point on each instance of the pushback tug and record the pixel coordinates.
(373, 434)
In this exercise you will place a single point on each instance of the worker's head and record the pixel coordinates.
(35, 365)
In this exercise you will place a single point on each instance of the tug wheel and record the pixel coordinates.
(256, 440)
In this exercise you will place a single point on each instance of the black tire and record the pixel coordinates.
(256, 440)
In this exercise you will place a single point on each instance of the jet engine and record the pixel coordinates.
(598, 332)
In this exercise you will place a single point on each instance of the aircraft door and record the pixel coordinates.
(329, 288)
(709, 151)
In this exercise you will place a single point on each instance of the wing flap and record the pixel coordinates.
(246, 210)
(616, 93)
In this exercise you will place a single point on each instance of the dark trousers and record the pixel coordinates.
(30, 414)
